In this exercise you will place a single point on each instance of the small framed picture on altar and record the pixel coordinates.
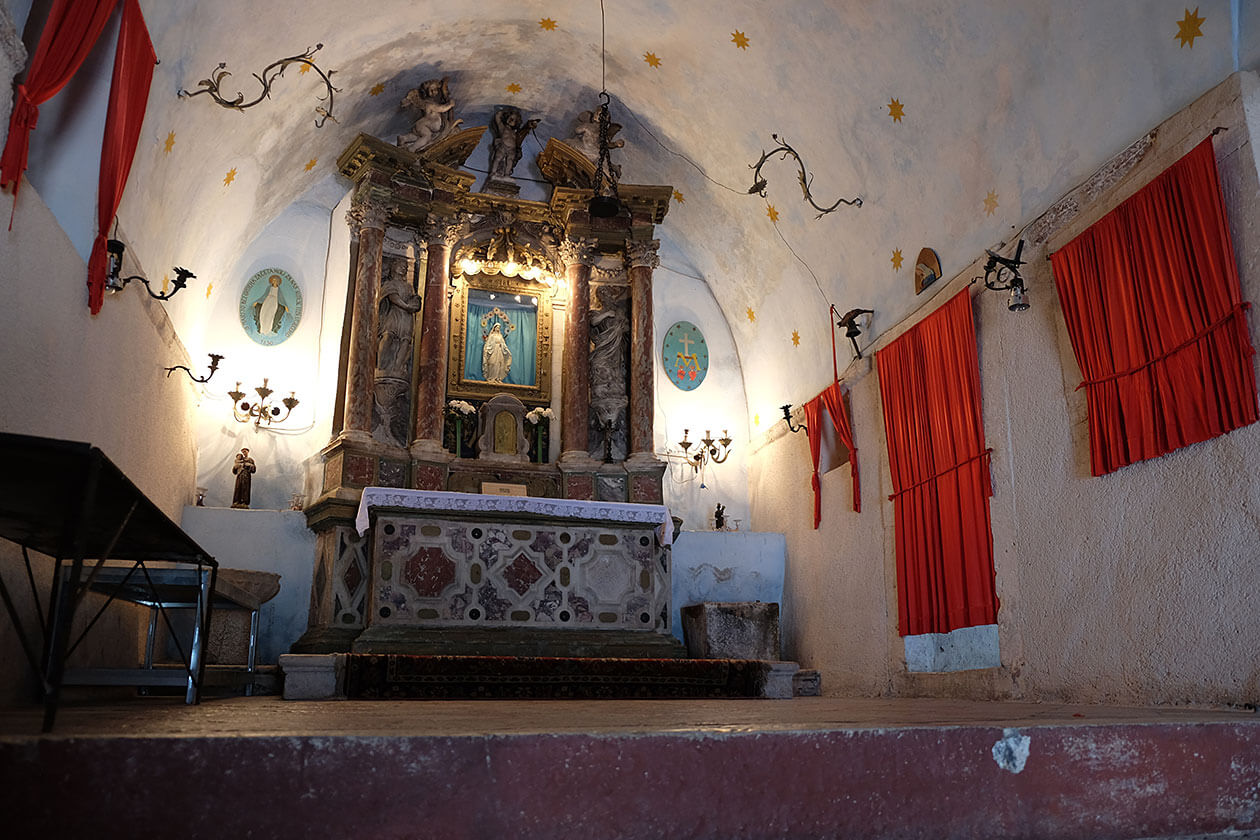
(500, 339)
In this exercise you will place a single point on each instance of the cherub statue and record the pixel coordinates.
(509, 134)
(586, 139)
(432, 104)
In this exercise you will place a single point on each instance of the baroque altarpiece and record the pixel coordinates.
(488, 339)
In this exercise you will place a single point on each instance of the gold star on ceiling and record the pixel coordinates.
(896, 110)
(230, 176)
(772, 213)
(310, 164)
(305, 68)
(752, 316)
(896, 259)
(209, 289)
(377, 89)
(651, 59)
(679, 197)
(990, 203)
(796, 339)
(170, 142)
(547, 23)
(513, 88)
(739, 39)
(166, 282)
(1190, 27)
(756, 419)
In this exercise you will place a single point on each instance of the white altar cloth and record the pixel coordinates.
(442, 501)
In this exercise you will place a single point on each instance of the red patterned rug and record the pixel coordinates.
(372, 676)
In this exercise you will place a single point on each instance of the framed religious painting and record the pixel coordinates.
(500, 341)
(270, 306)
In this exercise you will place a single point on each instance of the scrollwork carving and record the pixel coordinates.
(643, 253)
(442, 230)
(578, 251)
(367, 214)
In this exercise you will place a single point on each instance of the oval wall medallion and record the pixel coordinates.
(271, 306)
(685, 355)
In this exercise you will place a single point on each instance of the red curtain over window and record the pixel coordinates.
(1153, 306)
(929, 381)
(833, 400)
(128, 96)
(69, 35)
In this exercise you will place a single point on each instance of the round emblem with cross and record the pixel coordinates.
(685, 355)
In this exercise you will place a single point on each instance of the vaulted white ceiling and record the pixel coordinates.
(1013, 101)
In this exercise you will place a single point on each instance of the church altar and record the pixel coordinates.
(463, 560)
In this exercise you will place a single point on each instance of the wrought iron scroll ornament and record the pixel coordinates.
(805, 179)
(266, 78)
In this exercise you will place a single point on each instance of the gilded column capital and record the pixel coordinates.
(367, 214)
(642, 253)
(578, 251)
(442, 230)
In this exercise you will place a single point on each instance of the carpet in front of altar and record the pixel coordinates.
(371, 676)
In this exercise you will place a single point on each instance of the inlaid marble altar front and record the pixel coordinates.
(466, 560)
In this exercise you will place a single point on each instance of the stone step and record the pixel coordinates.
(511, 641)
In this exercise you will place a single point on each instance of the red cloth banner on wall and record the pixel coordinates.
(929, 382)
(128, 97)
(69, 35)
(1152, 302)
(833, 400)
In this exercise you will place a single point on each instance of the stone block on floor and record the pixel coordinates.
(732, 630)
(314, 676)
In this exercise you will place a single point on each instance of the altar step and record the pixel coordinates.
(388, 676)
(518, 641)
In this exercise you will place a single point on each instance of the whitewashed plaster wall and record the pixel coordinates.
(67, 374)
(717, 405)
(1134, 587)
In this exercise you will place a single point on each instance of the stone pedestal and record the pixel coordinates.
(738, 630)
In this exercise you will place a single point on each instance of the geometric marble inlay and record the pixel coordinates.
(608, 577)
(521, 574)
(352, 578)
(429, 572)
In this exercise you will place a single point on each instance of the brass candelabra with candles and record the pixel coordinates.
(263, 410)
(708, 449)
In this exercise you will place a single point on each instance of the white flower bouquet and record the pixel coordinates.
(537, 415)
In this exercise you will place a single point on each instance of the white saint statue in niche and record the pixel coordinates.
(269, 312)
(496, 358)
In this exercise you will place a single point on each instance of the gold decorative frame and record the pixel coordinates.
(456, 385)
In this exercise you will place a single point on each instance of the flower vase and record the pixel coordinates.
(538, 432)
(459, 436)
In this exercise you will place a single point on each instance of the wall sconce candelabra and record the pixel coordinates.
(114, 250)
(787, 417)
(1002, 273)
(708, 449)
(263, 410)
(215, 358)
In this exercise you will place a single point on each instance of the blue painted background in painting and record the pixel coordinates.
(521, 341)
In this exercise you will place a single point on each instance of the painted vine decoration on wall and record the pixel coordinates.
(266, 78)
(805, 179)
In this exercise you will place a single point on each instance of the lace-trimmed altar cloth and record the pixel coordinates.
(443, 501)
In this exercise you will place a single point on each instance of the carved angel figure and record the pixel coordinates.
(509, 135)
(586, 139)
(432, 104)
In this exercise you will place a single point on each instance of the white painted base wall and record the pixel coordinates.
(726, 566)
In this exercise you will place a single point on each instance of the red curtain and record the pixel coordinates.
(1152, 303)
(929, 381)
(69, 35)
(832, 399)
(128, 96)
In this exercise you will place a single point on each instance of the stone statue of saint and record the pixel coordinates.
(433, 106)
(719, 518)
(586, 140)
(244, 470)
(496, 358)
(509, 134)
(396, 310)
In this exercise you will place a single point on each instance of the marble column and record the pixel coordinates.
(367, 218)
(578, 255)
(440, 235)
(641, 257)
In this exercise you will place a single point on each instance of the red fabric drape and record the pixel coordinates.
(71, 31)
(813, 430)
(1152, 303)
(128, 96)
(929, 382)
(832, 399)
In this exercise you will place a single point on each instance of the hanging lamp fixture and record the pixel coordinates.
(605, 203)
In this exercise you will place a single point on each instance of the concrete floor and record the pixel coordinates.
(723, 769)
